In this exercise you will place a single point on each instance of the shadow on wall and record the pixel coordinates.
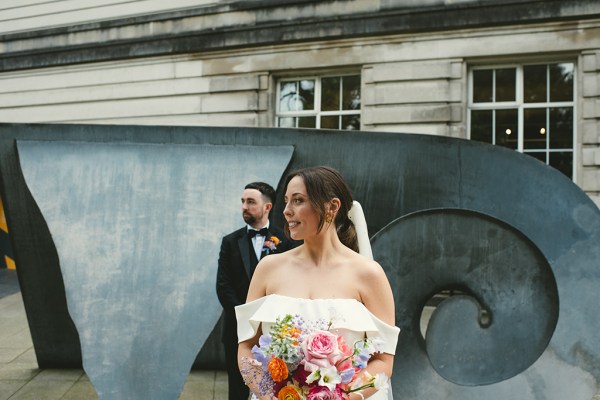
(445, 214)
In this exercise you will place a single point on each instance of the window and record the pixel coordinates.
(331, 102)
(528, 108)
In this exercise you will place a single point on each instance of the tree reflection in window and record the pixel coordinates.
(297, 95)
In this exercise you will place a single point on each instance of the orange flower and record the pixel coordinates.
(275, 240)
(289, 393)
(277, 369)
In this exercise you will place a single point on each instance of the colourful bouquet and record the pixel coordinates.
(306, 361)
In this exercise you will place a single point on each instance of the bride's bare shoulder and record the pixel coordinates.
(367, 268)
(278, 260)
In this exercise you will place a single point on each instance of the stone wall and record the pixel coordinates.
(590, 125)
(174, 69)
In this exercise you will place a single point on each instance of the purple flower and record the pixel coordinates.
(260, 356)
(347, 375)
(265, 341)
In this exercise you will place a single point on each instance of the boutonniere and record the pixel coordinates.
(270, 245)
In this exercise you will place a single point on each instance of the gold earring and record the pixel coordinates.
(328, 219)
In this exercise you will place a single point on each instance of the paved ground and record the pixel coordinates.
(21, 379)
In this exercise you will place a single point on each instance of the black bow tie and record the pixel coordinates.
(254, 232)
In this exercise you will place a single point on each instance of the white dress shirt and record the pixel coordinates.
(258, 241)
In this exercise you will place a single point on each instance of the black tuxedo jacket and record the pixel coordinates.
(236, 265)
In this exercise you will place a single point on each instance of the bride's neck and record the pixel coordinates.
(322, 248)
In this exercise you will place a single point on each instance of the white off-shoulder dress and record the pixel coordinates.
(349, 318)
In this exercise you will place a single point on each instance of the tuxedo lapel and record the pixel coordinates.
(244, 245)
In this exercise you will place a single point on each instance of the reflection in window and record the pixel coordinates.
(534, 129)
(297, 96)
(507, 128)
(330, 102)
(528, 108)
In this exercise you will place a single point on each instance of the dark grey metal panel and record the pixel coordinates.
(392, 175)
(137, 229)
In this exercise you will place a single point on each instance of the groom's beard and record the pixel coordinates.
(250, 219)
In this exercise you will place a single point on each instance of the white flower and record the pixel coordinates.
(329, 377)
(313, 376)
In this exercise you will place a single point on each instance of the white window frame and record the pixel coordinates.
(520, 105)
(317, 113)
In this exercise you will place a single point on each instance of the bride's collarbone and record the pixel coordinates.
(317, 287)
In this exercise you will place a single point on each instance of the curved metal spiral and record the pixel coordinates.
(502, 272)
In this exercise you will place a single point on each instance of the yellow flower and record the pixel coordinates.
(289, 392)
(289, 330)
(278, 369)
(275, 240)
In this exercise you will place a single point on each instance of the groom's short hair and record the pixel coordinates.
(265, 189)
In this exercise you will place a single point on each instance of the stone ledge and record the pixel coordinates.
(266, 23)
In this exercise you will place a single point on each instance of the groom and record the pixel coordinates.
(240, 252)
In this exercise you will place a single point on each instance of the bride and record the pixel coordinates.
(325, 278)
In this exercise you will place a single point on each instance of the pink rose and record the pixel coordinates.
(323, 393)
(346, 353)
(320, 350)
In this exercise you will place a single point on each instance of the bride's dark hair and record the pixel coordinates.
(323, 184)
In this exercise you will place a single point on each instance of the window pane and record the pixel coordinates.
(534, 84)
(287, 122)
(307, 122)
(287, 96)
(330, 122)
(330, 94)
(351, 122)
(351, 92)
(561, 82)
(481, 126)
(307, 95)
(297, 95)
(562, 161)
(535, 128)
(506, 128)
(541, 155)
(482, 86)
(506, 84)
(561, 128)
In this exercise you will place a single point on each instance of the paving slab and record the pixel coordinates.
(22, 379)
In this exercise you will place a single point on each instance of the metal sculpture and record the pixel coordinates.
(412, 188)
(134, 226)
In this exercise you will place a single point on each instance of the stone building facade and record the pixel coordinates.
(524, 74)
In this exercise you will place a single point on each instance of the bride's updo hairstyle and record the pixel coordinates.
(323, 184)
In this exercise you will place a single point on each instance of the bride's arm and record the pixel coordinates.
(250, 368)
(376, 295)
